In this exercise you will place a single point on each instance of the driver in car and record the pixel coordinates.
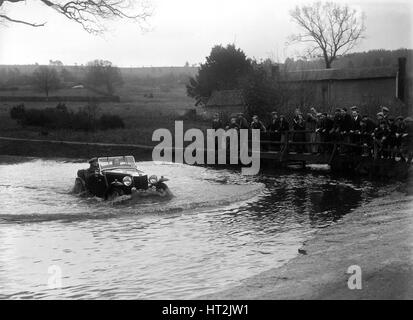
(93, 166)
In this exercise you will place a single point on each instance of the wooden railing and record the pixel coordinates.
(333, 147)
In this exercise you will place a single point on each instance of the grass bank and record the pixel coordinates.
(141, 112)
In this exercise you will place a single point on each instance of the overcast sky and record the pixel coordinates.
(185, 30)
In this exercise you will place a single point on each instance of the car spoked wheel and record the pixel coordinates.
(161, 186)
(114, 193)
(79, 186)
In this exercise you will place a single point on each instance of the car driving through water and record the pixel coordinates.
(111, 177)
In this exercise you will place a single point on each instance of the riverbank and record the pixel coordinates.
(377, 237)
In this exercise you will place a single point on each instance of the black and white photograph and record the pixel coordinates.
(206, 154)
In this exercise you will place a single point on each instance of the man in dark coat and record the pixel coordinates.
(242, 122)
(232, 124)
(273, 129)
(345, 124)
(299, 134)
(257, 124)
(274, 125)
(370, 124)
(335, 130)
(284, 127)
(386, 113)
(311, 125)
(216, 122)
(381, 140)
(355, 125)
(324, 126)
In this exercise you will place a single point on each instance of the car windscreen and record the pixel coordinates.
(116, 162)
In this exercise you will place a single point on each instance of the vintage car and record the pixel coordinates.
(111, 177)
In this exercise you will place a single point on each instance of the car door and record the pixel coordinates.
(97, 184)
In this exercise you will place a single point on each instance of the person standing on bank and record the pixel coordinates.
(386, 113)
(274, 128)
(284, 128)
(355, 125)
(242, 122)
(232, 124)
(216, 122)
(335, 130)
(257, 124)
(312, 120)
(299, 133)
(346, 124)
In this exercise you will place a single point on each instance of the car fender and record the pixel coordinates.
(116, 184)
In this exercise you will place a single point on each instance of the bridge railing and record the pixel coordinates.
(332, 147)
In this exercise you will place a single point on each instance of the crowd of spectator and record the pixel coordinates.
(317, 132)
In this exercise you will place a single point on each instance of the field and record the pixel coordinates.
(142, 108)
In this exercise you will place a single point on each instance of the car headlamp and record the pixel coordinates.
(153, 179)
(127, 181)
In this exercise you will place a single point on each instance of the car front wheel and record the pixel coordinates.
(161, 186)
(114, 193)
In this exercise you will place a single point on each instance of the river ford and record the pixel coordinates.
(218, 229)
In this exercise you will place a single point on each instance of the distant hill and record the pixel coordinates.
(14, 75)
(368, 59)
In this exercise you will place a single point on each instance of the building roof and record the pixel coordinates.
(225, 98)
(340, 74)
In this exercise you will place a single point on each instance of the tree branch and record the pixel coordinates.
(91, 14)
(3, 16)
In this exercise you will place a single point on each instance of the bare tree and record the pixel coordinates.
(90, 14)
(103, 73)
(46, 79)
(330, 28)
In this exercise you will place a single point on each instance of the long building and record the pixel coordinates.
(367, 88)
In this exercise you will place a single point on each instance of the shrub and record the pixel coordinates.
(108, 121)
(35, 117)
(61, 118)
(18, 112)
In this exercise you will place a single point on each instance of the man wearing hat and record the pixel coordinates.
(242, 122)
(385, 112)
(400, 131)
(311, 124)
(216, 122)
(232, 124)
(257, 124)
(335, 130)
(380, 117)
(274, 125)
(346, 122)
(355, 125)
(367, 127)
(93, 167)
(324, 125)
(284, 127)
(407, 138)
(274, 128)
(381, 140)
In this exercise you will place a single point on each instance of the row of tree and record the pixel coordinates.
(368, 59)
(99, 74)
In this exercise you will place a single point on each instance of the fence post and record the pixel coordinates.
(333, 153)
(285, 149)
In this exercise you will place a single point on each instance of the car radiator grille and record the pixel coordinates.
(140, 182)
